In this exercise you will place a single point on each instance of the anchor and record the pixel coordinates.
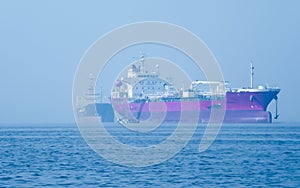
(276, 108)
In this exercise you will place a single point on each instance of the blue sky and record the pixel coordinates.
(42, 42)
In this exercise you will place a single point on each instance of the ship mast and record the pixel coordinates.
(142, 60)
(251, 74)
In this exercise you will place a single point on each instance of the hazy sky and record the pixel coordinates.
(42, 42)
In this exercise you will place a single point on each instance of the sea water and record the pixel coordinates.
(241, 156)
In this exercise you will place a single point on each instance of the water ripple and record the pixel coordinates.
(242, 156)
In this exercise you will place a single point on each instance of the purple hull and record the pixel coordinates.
(245, 106)
(230, 117)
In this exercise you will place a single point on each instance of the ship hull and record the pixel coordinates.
(230, 116)
(237, 107)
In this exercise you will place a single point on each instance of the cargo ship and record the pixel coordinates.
(142, 96)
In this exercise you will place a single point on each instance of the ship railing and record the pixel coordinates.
(258, 89)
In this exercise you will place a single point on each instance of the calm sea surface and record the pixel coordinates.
(241, 156)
